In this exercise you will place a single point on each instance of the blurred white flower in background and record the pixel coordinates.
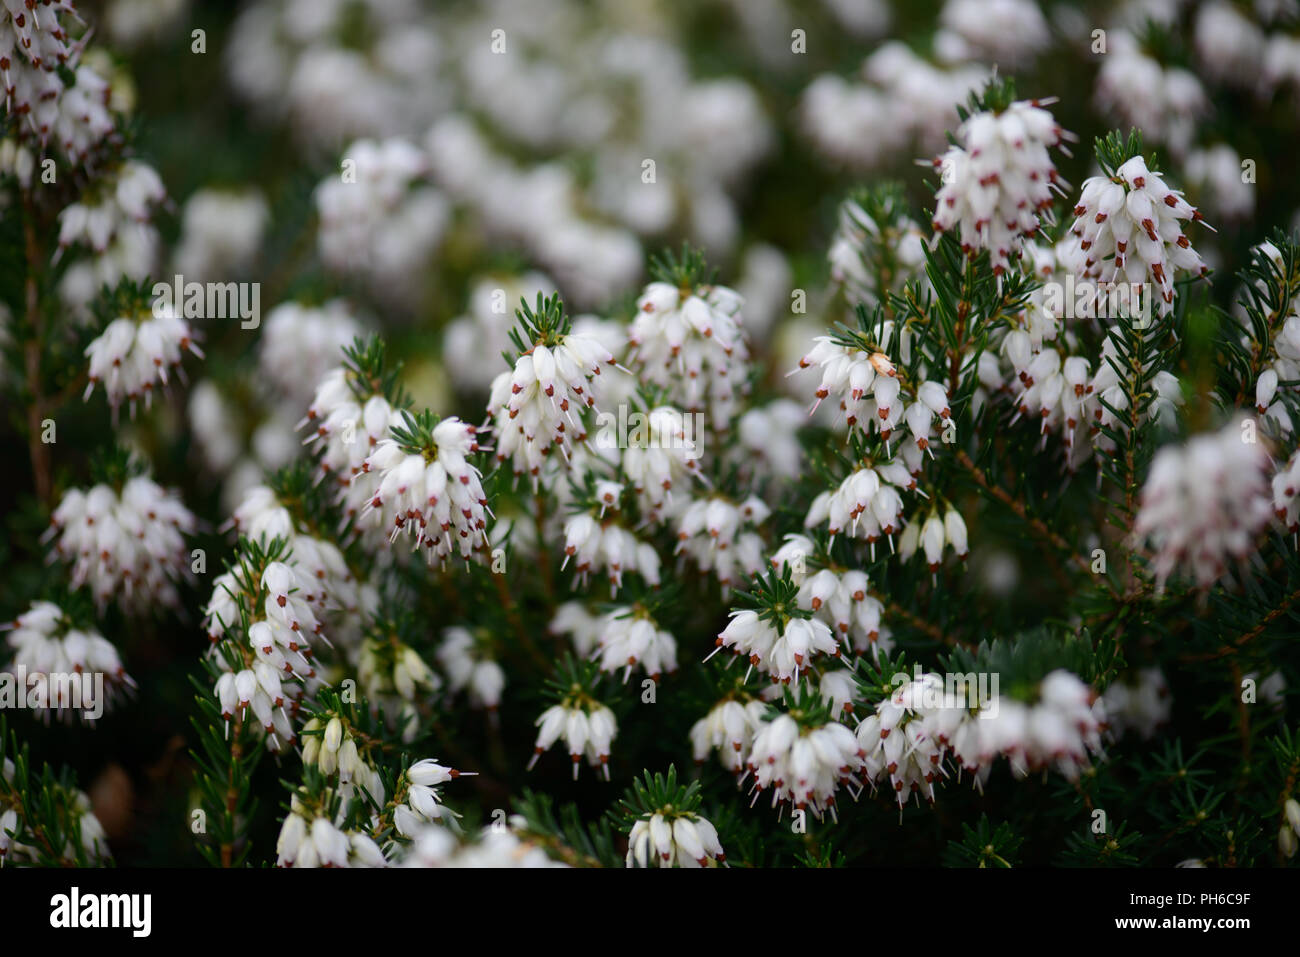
(1216, 175)
(115, 226)
(380, 219)
(1165, 103)
(338, 69)
(307, 340)
(1204, 502)
(901, 110)
(1228, 45)
(136, 23)
(221, 232)
(1007, 32)
(472, 344)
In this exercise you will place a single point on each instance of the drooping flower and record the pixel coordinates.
(325, 581)
(1291, 826)
(311, 838)
(842, 600)
(83, 828)
(395, 678)
(221, 232)
(876, 241)
(583, 628)
(1143, 706)
(933, 534)
(496, 847)
(781, 653)
(310, 340)
(348, 418)
(684, 840)
(628, 637)
(34, 44)
(428, 489)
(260, 690)
(661, 453)
(1286, 494)
(1008, 32)
(135, 189)
(865, 383)
(601, 543)
(768, 446)
(1163, 102)
(1062, 730)
(804, 766)
(423, 803)
(720, 536)
(381, 220)
(586, 727)
(898, 742)
(334, 750)
(866, 505)
(729, 729)
(262, 622)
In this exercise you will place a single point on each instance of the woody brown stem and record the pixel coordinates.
(1232, 647)
(232, 792)
(38, 450)
(1018, 507)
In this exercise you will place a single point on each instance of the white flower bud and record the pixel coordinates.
(333, 737)
(955, 529)
(1265, 389)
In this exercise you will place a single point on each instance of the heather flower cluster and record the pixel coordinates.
(998, 180)
(796, 415)
(1129, 227)
(125, 543)
(49, 653)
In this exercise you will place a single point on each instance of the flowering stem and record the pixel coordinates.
(1243, 723)
(544, 553)
(959, 330)
(40, 453)
(1017, 506)
(1232, 647)
(920, 624)
(512, 613)
(232, 791)
(1130, 446)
